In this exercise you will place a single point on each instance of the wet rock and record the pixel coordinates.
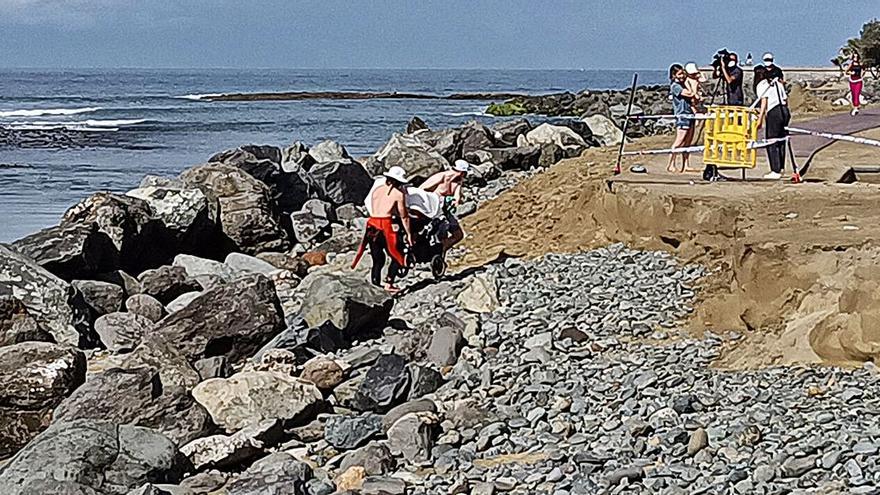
(412, 436)
(385, 383)
(233, 320)
(146, 306)
(349, 302)
(349, 432)
(249, 397)
(102, 456)
(122, 332)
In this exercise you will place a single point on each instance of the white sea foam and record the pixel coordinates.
(78, 123)
(48, 126)
(467, 114)
(38, 112)
(199, 97)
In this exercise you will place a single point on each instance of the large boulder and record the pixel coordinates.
(92, 456)
(604, 130)
(328, 151)
(189, 215)
(409, 152)
(52, 302)
(247, 153)
(342, 181)
(505, 133)
(34, 378)
(248, 217)
(561, 136)
(346, 301)
(201, 268)
(446, 142)
(139, 237)
(521, 158)
(137, 396)
(296, 158)
(232, 320)
(276, 474)
(249, 397)
(474, 136)
(70, 250)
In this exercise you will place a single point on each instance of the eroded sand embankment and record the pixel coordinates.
(793, 265)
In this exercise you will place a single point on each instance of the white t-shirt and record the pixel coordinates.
(773, 92)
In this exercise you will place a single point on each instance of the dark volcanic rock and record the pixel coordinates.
(342, 181)
(34, 378)
(52, 302)
(384, 385)
(505, 133)
(349, 432)
(233, 320)
(85, 455)
(69, 251)
(137, 396)
(474, 136)
(16, 325)
(521, 158)
(415, 156)
(248, 217)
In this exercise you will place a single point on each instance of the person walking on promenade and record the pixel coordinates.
(854, 71)
(774, 116)
(682, 107)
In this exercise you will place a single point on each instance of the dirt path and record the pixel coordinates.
(792, 264)
(806, 147)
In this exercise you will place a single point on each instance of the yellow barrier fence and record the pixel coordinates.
(728, 135)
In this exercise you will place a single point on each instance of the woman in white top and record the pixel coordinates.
(772, 111)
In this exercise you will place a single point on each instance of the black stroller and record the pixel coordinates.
(428, 247)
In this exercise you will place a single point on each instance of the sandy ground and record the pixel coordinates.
(793, 264)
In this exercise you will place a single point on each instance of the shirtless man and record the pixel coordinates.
(448, 185)
(387, 202)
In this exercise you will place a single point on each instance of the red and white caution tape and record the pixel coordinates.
(835, 137)
(694, 116)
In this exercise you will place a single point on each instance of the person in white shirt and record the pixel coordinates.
(774, 116)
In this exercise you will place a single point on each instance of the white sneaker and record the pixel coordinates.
(855, 111)
(773, 176)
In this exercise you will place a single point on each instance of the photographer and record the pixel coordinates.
(733, 76)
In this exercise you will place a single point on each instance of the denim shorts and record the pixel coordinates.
(684, 122)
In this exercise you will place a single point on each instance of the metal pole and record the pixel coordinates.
(632, 96)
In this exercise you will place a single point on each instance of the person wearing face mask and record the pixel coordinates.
(733, 76)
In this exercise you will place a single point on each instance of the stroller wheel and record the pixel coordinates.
(438, 266)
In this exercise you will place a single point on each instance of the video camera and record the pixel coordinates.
(721, 57)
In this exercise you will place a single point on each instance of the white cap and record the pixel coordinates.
(768, 57)
(691, 68)
(461, 166)
(397, 174)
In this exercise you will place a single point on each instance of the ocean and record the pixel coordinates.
(157, 122)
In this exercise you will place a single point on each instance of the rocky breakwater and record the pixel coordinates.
(597, 109)
(184, 337)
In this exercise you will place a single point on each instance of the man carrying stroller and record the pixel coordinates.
(448, 185)
(387, 203)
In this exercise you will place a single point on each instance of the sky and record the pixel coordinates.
(527, 34)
